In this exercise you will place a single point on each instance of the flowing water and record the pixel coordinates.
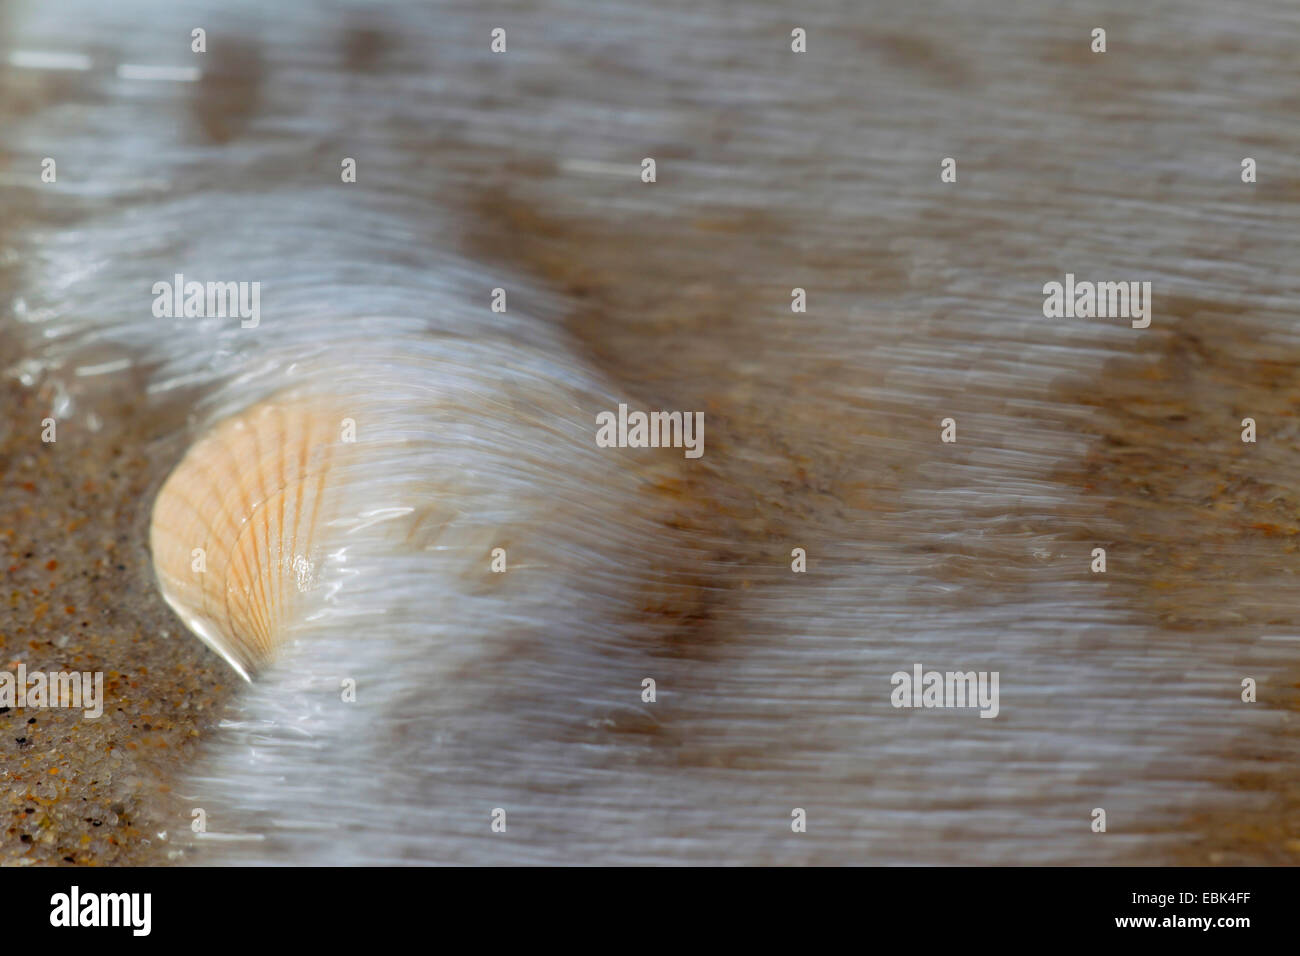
(775, 171)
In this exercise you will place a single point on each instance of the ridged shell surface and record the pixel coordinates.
(234, 527)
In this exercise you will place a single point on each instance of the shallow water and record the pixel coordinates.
(775, 171)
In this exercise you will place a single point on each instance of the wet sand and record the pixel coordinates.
(79, 595)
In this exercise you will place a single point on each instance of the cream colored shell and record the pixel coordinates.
(234, 527)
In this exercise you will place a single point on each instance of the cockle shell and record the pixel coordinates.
(234, 528)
